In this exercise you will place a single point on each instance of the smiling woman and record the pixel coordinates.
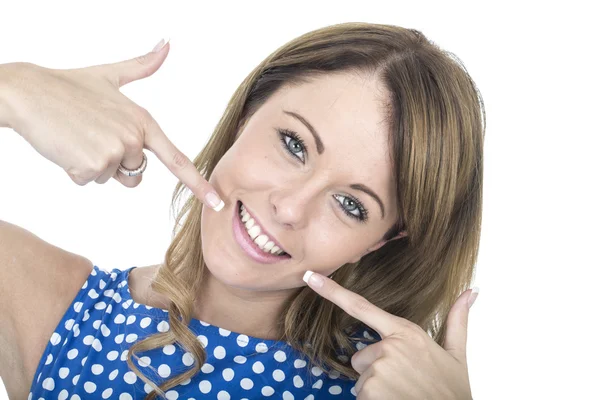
(354, 151)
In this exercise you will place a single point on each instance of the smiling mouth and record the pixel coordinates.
(268, 247)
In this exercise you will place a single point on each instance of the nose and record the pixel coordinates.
(293, 206)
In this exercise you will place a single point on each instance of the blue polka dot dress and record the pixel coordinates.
(85, 357)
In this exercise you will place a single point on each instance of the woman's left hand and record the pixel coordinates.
(406, 363)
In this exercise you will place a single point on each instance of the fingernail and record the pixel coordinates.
(315, 279)
(214, 201)
(473, 296)
(160, 45)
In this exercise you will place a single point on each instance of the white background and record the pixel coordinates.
(532, 331)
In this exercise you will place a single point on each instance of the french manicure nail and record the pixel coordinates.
(214, 201)
(160, 45)
(473, 296)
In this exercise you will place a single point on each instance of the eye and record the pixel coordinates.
(353, 205)
(297, 144)
(294, 144)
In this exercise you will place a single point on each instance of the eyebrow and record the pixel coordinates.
(321, 149)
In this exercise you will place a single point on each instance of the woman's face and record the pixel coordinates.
(302, 196)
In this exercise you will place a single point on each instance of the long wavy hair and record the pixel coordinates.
(436, 121)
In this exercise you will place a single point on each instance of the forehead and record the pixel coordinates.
(348, 110)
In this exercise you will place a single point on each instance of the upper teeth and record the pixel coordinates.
(263, 241)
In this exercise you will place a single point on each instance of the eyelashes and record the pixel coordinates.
(286, 133)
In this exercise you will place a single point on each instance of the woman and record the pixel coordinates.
(354, 151)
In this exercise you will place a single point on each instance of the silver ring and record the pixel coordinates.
(137, 171)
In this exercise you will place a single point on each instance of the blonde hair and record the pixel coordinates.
(437, 128)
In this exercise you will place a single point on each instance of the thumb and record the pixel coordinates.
(456, 328)
(124, 72)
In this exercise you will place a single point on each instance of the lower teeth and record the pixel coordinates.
(283, 254)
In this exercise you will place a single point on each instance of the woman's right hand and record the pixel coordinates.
(79, 120)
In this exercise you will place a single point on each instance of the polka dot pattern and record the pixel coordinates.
(86, 355)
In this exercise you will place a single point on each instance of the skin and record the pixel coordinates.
(294, 201)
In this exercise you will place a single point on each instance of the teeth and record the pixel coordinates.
(261, 240)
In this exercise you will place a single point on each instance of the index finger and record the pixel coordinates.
(356, 305)
(180, 165)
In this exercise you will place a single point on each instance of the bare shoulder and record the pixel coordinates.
(38, 282)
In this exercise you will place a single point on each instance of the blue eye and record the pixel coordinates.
(298, 145)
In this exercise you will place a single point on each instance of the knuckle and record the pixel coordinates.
(133, 143)
(179, 159)
(360, 305)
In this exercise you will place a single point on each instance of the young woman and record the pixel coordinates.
(353, 153)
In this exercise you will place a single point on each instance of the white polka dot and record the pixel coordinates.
(125, 396)
(228, 374)
(243, 340)
(223, 395)
(224, 332)
(88, 339)
(309, 397)
(83, 360)
(130, 377)
(55, 339)
(280, 356)
(132, 337)
(288, 396)
(187, 381)
(207, 368)
(188, 359)
(105, 331)
(119, 319)
(169, 349)
(360, 346)
(119, 338)
(127, 303)
(86, 315)
(203, 339)
(93, 294)
(145, 322)
(318, 384)
(77, 306)
(278, 375)
(96, 324)
(267, 391)
(112, 355)
(89, 387)
(130, 320)
(63, 394)
(144, 361)
(97, 369)
(75, 397)
(109, 309)
(117, 298)
(106, 394)
(316, 371)
(48, 359)
(102, 284)
(93, 271)
(76, 330)
(334, 374)
(246, 383)
(171, 395)
(335, 389)
(353, 390)
(164, 370)
(113, 374)
(239, 359)
(97, 345)
(48, 384)
(69, 324)
(109, 293)
(258, 367)
(298, 382)
(205, 386)
(261, 348)
(147, 388)
(124, 354)
(163, 326)
(75, 379)
(219, 352)
(63, 372)
(100, 305)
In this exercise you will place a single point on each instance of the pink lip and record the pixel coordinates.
(249, 247)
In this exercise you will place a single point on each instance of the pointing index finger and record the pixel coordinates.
(181, 166)
(354, 304)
